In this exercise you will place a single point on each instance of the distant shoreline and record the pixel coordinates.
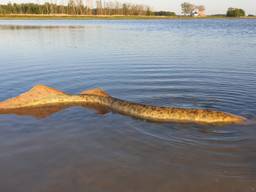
(113, 17)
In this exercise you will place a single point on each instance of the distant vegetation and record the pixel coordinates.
(76, 7)
(218, 15)
(189, 9)
(235, 12)
(107, 9)
(164, 13)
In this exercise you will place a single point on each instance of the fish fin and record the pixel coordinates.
(96, 91)
(36, 93)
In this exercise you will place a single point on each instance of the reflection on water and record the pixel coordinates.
(193, 63)
(24, 27)
(46, 111)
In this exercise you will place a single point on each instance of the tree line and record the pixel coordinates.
(188, 9)
(77, 7)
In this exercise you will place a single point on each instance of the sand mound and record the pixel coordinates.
(36, 93)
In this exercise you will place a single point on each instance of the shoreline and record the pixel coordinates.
(107, 17)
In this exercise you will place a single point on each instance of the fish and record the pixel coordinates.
(43, 96)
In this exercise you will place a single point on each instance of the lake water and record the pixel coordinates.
(184, 63)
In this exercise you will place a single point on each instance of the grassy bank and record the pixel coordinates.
(114, 17)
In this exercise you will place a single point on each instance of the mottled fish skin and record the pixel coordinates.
(170, 114)
(49, 96)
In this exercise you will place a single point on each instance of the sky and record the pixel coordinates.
(212, 6)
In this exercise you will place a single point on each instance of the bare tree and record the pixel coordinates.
(71, 7)
(99, 7)
(187, 8)
(201, 8)
(80, 6)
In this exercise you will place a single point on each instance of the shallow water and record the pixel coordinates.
(183, 63)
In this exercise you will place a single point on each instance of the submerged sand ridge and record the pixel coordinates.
(41, 95)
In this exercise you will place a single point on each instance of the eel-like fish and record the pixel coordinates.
(41, 95)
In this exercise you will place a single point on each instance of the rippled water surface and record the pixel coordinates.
(184, 63)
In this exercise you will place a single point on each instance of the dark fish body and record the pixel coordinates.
(45, 96)
(170, 114)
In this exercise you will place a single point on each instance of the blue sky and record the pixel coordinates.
(212, 6)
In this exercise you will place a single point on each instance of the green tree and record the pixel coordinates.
(164, 13)
(235, 12)
(148, 11)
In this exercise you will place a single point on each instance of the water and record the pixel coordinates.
(184, 63)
